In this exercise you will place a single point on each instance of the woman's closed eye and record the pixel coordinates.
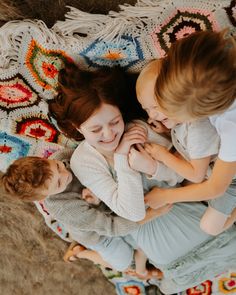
(96, 130)
(115, 123)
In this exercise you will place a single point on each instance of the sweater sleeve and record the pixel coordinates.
(77, 215)
(122, 193)
(164, 173)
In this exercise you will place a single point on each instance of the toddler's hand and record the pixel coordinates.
(156, 151)
(89, 197)
(141, 161)
(135, 134)
(157, 126)
(159, 211)
(155, 198)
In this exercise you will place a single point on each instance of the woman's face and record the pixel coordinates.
(103, 130)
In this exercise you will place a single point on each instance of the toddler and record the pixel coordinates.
(35, 178)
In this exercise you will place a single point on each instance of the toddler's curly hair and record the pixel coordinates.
(25, 177)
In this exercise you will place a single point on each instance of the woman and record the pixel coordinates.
(173, 242)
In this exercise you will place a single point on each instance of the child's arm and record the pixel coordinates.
(215, 186)
(141, 161)
(77, 215)
(194, 170)
(154, 213)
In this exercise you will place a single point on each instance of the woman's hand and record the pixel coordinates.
(156, 151)
(134, 135)
(141, 161)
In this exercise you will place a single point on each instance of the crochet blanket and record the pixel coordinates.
(31, 56)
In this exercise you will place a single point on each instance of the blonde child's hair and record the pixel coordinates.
(198, 76)
(26, 177)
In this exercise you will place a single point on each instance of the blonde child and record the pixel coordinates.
(196, 81)
(34, 178)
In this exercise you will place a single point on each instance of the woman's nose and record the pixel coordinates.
(107, 132)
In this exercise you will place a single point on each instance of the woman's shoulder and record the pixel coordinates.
(84, 149)
(86, 156)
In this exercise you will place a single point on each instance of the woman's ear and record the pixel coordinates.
(77, 128)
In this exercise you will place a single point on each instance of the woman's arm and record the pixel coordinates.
(215, 186)
(122, 193)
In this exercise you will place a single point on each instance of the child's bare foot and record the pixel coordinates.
(73, 251)
(149, 274)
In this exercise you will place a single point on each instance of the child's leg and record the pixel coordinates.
(213, 221)
(230, 220)
(76, 251)
(91, 255)
(141, 271)
(140, 262)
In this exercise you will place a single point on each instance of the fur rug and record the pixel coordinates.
(31, 258)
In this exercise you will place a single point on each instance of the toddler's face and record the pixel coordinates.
(60, 179)
(146, 96)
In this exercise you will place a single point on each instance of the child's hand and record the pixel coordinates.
(154, 213)
(135, 134)
(89, 197)
(155, 198)
(156, 151)
(141, 161)
(157, 126)
(159, 211)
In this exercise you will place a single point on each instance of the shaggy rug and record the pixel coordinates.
(31, 56)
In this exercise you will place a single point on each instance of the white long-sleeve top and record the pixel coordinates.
(121, 188)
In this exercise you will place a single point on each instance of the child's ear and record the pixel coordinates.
(32, 198)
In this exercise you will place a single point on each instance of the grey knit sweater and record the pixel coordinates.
(86, 224)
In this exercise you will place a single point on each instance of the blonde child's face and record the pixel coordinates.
(104, 129)
(60, 179)
(146, 96)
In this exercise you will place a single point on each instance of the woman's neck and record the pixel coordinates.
(108, 155)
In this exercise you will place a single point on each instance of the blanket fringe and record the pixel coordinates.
(217, 3)
(78, 21)
(134, 17)
(111, 27)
